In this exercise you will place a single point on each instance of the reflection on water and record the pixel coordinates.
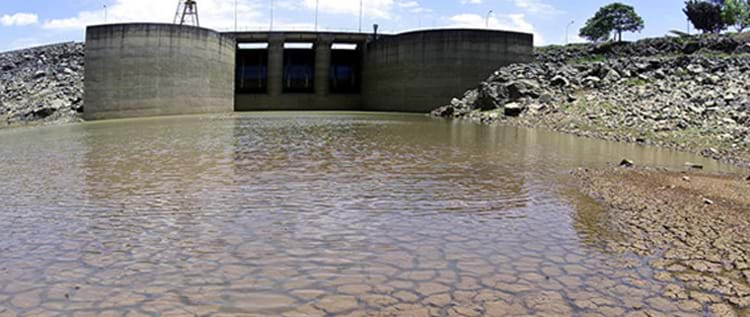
(303, 214)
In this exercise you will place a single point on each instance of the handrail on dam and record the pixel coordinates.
(146, 69)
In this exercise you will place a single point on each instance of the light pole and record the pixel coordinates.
(235, 15)
(317, 7)
(567, 30)
(105, 14)
(271, 27)
(487, 19)
(361, 4)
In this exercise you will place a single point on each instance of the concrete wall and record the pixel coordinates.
(138, 70)
(420, 71)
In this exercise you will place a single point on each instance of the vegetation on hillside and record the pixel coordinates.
(614, 18)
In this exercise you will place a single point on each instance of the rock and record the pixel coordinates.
(694, 69)
(535, 107)
(686, 179)
(591, 81)
(748, 179)
(560, 81)
(690, 47)
(711, 80)
(42, 83)
(513, 109)
(39, 74)
(742, 49)
(694, 166)
(523, 88)
(626, 163)
(491, 96)
(697, 109)
(707, 201)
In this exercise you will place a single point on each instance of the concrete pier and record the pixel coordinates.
(275, 65)
(322, 64)
(135, 70)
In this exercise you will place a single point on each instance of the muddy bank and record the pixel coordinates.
(693, 227)
(690, 94)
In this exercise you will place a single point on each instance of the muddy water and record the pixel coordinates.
(301, 214)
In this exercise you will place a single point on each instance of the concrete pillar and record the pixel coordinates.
(322, 64)
(275, 65)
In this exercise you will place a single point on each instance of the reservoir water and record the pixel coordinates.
(313, 214)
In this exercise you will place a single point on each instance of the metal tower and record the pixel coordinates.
(187, 13)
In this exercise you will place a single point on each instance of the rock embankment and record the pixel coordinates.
(689, 93)
(41, 84)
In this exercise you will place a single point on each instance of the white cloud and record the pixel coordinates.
(507, 22)
(537, 7)
(371, 8)
(413, 7)
(19, 19)
(213, 13)
(471, 1)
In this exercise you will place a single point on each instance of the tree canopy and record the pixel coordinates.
(616, 17)
(706, 16)
(736, 13)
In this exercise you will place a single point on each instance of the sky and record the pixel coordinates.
(25, 23)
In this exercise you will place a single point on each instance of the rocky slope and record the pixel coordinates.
(690, 93)
(41, 84)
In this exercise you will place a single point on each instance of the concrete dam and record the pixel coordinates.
(146, 69)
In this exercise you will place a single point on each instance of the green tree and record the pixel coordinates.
(705, 15)
(736, 13)
(617, 18)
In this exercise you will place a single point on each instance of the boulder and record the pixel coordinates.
(560, 81)
(490, 96)
(691, 47)
(513, 109)
(523, 88)
(694, 69)
(626, 163)
(742, 49)
(39, 74)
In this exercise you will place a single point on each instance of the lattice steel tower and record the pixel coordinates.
(187, 13)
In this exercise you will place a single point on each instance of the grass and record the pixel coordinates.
(635, 82)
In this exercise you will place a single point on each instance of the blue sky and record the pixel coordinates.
(26, 23)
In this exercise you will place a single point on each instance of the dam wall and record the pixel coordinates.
(284, 64)
(139, 70)
(419, 71)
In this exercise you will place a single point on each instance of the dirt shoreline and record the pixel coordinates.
(695, 226)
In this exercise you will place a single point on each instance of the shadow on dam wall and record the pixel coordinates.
(140, 69)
